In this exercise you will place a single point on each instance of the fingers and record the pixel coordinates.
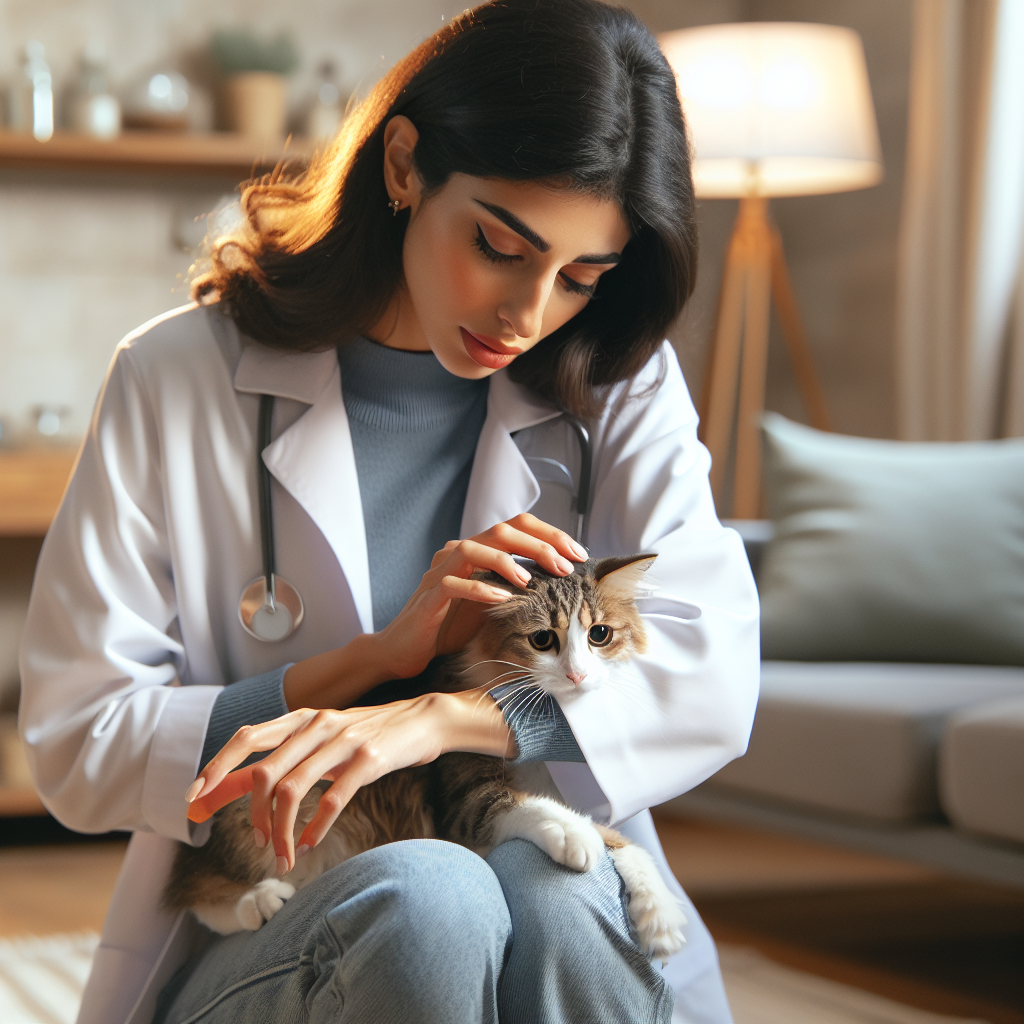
(456, 588)
(235, 784)
(248, 740)
(545, 544)
(334, 744)
(472, 555)
(281, 780)
(360, 772)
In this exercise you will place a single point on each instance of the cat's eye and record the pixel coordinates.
(543, 640)
(600, 636)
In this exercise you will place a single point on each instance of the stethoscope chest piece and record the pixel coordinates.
(270, 614)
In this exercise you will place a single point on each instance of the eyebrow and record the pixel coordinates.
(509, 219)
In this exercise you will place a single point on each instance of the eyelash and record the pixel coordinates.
(503, 258)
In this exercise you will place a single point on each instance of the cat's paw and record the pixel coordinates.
(654, 911)
(564, 835)
(262, 902)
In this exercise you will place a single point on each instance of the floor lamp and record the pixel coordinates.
(773, 109)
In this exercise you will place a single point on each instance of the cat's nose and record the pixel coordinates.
(575, 676)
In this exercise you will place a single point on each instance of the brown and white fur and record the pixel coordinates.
(560, 636)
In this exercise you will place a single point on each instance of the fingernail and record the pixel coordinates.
(282, 865)
(195, 789)
(579, 551)
(259, 838)
(564, 564)
(523, 575)
(301, 851)
(501, 595)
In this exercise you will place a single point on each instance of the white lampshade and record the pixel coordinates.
(776, 108)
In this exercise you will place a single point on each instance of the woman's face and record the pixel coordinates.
(494, 266)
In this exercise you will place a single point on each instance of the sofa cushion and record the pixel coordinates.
(886, 551)
(858, 738)
(981, 768)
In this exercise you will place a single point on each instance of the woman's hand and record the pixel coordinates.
(439, 618)
(350, 748)
(423, 629)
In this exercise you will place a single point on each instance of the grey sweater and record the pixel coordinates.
(414, 431)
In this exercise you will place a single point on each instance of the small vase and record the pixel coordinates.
(255, 104)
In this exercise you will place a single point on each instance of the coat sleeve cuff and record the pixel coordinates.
(173, 760)
(541, 730)
(247, 702)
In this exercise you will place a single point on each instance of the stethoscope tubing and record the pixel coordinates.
(263, 429)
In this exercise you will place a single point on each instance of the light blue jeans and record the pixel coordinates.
(425, 932)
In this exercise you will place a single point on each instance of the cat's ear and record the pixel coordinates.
(621, 576)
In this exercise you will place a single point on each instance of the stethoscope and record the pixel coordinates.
(271, 608)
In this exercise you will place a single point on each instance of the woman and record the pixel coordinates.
(504, 230)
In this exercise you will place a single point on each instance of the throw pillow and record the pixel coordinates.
(890, 551)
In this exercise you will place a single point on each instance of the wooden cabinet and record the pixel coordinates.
(32, 482)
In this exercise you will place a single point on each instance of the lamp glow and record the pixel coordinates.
(776, 108)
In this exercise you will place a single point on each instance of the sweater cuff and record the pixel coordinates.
(247, 702)
(538, 724)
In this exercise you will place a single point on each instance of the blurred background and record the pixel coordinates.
(157, 109)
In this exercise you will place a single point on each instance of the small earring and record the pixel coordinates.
(395, 205)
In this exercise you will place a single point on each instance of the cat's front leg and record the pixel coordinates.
(566, 836)
(654, 911)
(250, 911)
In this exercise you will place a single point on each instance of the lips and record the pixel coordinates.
(486, 351)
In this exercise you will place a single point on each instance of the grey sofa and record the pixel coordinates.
(919, 761)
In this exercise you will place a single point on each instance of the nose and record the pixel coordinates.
(575, 676)
(525, 313)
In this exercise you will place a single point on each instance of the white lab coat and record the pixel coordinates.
(133, 625)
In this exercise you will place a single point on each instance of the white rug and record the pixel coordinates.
(41, 982)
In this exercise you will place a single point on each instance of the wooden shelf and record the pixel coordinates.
(32, 483)
(212, 153)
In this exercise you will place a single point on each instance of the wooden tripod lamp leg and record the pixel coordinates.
(747, 487)
(796, 339)
(719, 404)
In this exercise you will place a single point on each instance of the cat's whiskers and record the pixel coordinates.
(516, 696)
(521, 704)
(495, 661)
(527, 707)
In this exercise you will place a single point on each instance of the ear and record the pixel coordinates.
(620, 576)
(400, 176)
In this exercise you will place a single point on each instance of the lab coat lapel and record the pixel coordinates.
(313, 459)
(502, 484)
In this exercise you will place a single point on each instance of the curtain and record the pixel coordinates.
(960, 315)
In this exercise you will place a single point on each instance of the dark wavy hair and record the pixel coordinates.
(573, 92)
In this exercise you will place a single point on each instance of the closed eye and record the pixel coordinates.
(574, 286)
(493, 255)
(490, 253)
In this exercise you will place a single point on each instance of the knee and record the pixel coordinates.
(548, 901)
(433, 892)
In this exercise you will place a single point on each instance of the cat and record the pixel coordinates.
(559, 636)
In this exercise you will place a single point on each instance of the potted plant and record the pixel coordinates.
(254, 70)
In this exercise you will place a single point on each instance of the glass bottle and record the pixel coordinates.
(31, 97)
(95, 110)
